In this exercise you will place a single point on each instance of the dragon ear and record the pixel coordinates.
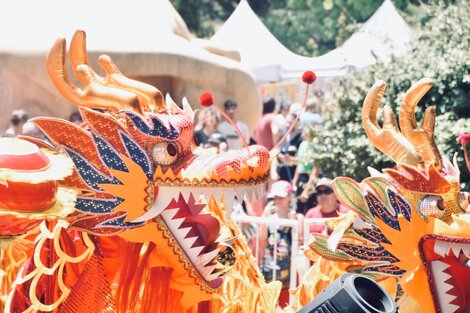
(379, 185)
(350, 194)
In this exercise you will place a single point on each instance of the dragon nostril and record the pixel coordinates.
(171, 149)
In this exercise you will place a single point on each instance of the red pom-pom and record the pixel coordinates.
(206, 99)
(464, 138)
(309, 77)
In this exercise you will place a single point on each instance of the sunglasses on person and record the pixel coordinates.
(324, 192)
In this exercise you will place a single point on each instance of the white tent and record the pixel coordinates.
(383, 35)
(262, 52)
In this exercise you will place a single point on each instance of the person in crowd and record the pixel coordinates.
(328, 206)
(199, 116)
(306, 172)
(267, 131)
(295, 108)
(76, 118)
(17, 120)
(209, 127)
(279, 206)
(311, 115)
(218, 142)
(285, 163)
(281, 119)
(234, 142)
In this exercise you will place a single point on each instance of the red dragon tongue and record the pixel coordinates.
(208, 230)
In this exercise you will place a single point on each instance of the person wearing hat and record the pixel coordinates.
(234, 142)
(217, 141)
(279, 200)
(327, 207)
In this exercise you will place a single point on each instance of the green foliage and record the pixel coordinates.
(314, 27)
(200, 16)
(441, 52)
(308, 27)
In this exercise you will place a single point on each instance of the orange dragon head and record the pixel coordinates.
(140, 176)
(410, 222)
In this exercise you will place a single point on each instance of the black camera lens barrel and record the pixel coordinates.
(352, 293)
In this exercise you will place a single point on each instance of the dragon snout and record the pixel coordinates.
(248, 164)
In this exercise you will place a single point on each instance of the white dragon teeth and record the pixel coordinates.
(442, 287)
(195, 251)
(443, 248)
(188, 243)
(207, 257)
(440, 247)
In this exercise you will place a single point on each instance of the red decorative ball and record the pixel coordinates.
(309, 77)
(206, 99)
(464, 138)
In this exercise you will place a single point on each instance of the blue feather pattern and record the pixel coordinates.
(90, 175)
(97, 206)
(158, 130)
(379, 210)
(137, 154)
(109, 155)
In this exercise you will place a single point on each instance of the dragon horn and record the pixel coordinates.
(422, 137)
(150, 96)
(95, 94)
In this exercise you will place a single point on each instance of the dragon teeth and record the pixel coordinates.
(440, 278)
(169, 214)
(207, 272)
(187, 243)
(440, 247)
(444, 248)
(207, 257)
(195, 251)
(180, 234)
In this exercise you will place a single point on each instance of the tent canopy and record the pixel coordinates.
(262, 52)
(383, 35)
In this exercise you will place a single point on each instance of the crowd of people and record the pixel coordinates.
(19, 125)
(297, 188)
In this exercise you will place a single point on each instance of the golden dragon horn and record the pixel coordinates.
(95, 94)
(149, 96)
(422, 137)
(387, 139)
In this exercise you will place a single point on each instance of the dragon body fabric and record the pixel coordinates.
(123, 213)
(409, 226)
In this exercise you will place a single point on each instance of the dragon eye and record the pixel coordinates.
(431, 206)
(165, 153)
(464, 200)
